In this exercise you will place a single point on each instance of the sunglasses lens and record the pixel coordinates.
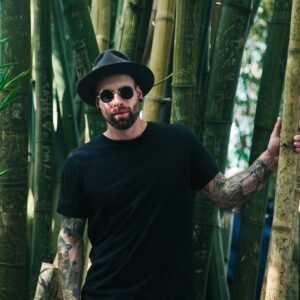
(126, 92)
(106, 96)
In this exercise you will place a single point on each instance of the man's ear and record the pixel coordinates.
(139, 93)
(97, 104)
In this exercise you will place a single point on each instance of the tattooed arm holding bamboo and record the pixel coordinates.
(233, 191)
(70, 256)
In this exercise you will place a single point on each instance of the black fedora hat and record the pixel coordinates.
(112, 62)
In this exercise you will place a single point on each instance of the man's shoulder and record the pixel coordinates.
(85, 149)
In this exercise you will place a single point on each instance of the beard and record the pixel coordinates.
(124, 123)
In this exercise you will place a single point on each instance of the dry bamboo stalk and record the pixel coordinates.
(160, 53)
(101, 15)
(286, 204)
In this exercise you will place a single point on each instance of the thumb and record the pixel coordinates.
(277, 127)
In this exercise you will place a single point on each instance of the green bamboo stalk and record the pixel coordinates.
(62, 77)
(268, 105)
(226, 227)
(101, 16)
(159, 60)
(15, 24)
(40, 251)
(217, 283)
(117, 25)
(146, 27)
(216, 11)
(293, 287)
(227, 216)
(204, 57)
(60, 154)
(286, 205)
(185, 62)
(85, 51)
(148, 42)
(113, 18)
(226, 61)
(131, 23)
(206, 13)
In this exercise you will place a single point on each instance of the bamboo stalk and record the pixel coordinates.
(268, 105)
(159, 60)
(44, 142)
(185, 62)
(85, 51)
(148, 42)
(217, 284)
(293, 286)
(117, 25)
(226, 62)
(145, 27)
(286, 205)
(15, 24)
(216, 11)
(101, 16)
(61, 53)
(132, 13)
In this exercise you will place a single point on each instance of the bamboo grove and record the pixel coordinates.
(196, 49)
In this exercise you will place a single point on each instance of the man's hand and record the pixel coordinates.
(274, 142)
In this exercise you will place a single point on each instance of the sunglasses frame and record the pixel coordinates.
(113, 93)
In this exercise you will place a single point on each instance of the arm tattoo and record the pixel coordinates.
(70, 256)
(233, 191)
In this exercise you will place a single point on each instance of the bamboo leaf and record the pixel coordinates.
(16, 78)
(3, 172)
(9, 98)
(3, 40)
(4, 77)
(2, 66)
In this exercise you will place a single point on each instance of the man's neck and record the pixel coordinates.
(126, 134)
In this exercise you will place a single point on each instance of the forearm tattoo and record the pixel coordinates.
(70, 256)
(233, 191)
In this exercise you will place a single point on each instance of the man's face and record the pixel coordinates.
(120, 113)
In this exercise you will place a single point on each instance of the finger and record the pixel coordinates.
(277, 127)
(297, 138)
(297, 149)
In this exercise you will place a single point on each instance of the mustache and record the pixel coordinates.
(120, 110)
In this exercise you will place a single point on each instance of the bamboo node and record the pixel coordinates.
(282, 228)
(157, 99)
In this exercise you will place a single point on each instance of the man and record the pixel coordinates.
(133, 185)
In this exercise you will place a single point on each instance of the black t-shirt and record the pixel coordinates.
(136, 196)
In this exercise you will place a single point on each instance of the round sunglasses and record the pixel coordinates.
(125, 92)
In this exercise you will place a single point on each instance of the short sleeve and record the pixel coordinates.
(72, 201)
(203, 169)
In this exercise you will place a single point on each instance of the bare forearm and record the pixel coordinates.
(70, 259)
(233, 191)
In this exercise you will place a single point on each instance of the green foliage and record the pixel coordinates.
(7, 83)
(2, 172)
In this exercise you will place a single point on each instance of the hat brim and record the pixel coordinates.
(86, 87)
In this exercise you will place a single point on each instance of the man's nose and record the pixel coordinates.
(117, 99)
